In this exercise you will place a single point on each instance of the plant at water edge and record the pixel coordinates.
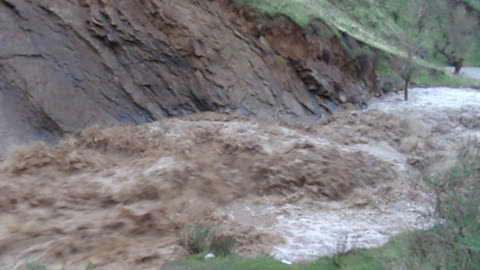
(222, 245)
(196, 239)
(454, 242)
(202, 238)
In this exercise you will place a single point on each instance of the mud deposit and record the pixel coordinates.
(120, 197)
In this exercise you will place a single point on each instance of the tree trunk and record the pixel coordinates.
(458, 66)
(405, 89)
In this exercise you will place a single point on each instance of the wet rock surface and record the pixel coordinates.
(66, 65)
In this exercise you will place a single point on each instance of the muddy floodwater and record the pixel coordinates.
(120, 197)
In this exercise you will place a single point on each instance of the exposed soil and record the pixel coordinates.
(120, 197)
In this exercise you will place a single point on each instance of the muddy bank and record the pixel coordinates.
(65, 65)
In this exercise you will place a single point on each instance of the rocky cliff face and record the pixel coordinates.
(65, 65)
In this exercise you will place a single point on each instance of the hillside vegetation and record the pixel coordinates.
(381, 24)
(361, 22)
(475, 4)
(375, 22)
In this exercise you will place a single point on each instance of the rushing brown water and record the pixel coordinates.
(120, 197)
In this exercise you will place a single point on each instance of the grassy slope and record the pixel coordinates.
(337, 16)
(368, 22)
(365, 20)
(475, 59)
(474, 4)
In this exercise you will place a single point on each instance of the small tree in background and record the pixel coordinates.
(416, 14)
(457, 33)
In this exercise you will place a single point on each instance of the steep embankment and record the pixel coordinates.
(380, 24)
(65, 65)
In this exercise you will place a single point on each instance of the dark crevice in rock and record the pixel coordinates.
(13, 8)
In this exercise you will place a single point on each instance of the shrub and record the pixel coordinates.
(202, 238)
(454, 242)
(222, 245)
(341, 251)
(196, 239)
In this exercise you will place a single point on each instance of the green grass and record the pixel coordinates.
(425, 76)
(359, 259)
(372, 25)
(474, 60)
(441, 78)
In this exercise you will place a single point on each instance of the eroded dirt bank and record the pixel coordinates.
(120, 197)
(65, 65)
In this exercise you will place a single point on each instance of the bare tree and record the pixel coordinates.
(416, 13)
(457, 33)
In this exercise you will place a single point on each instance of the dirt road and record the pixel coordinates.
(470, 72)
